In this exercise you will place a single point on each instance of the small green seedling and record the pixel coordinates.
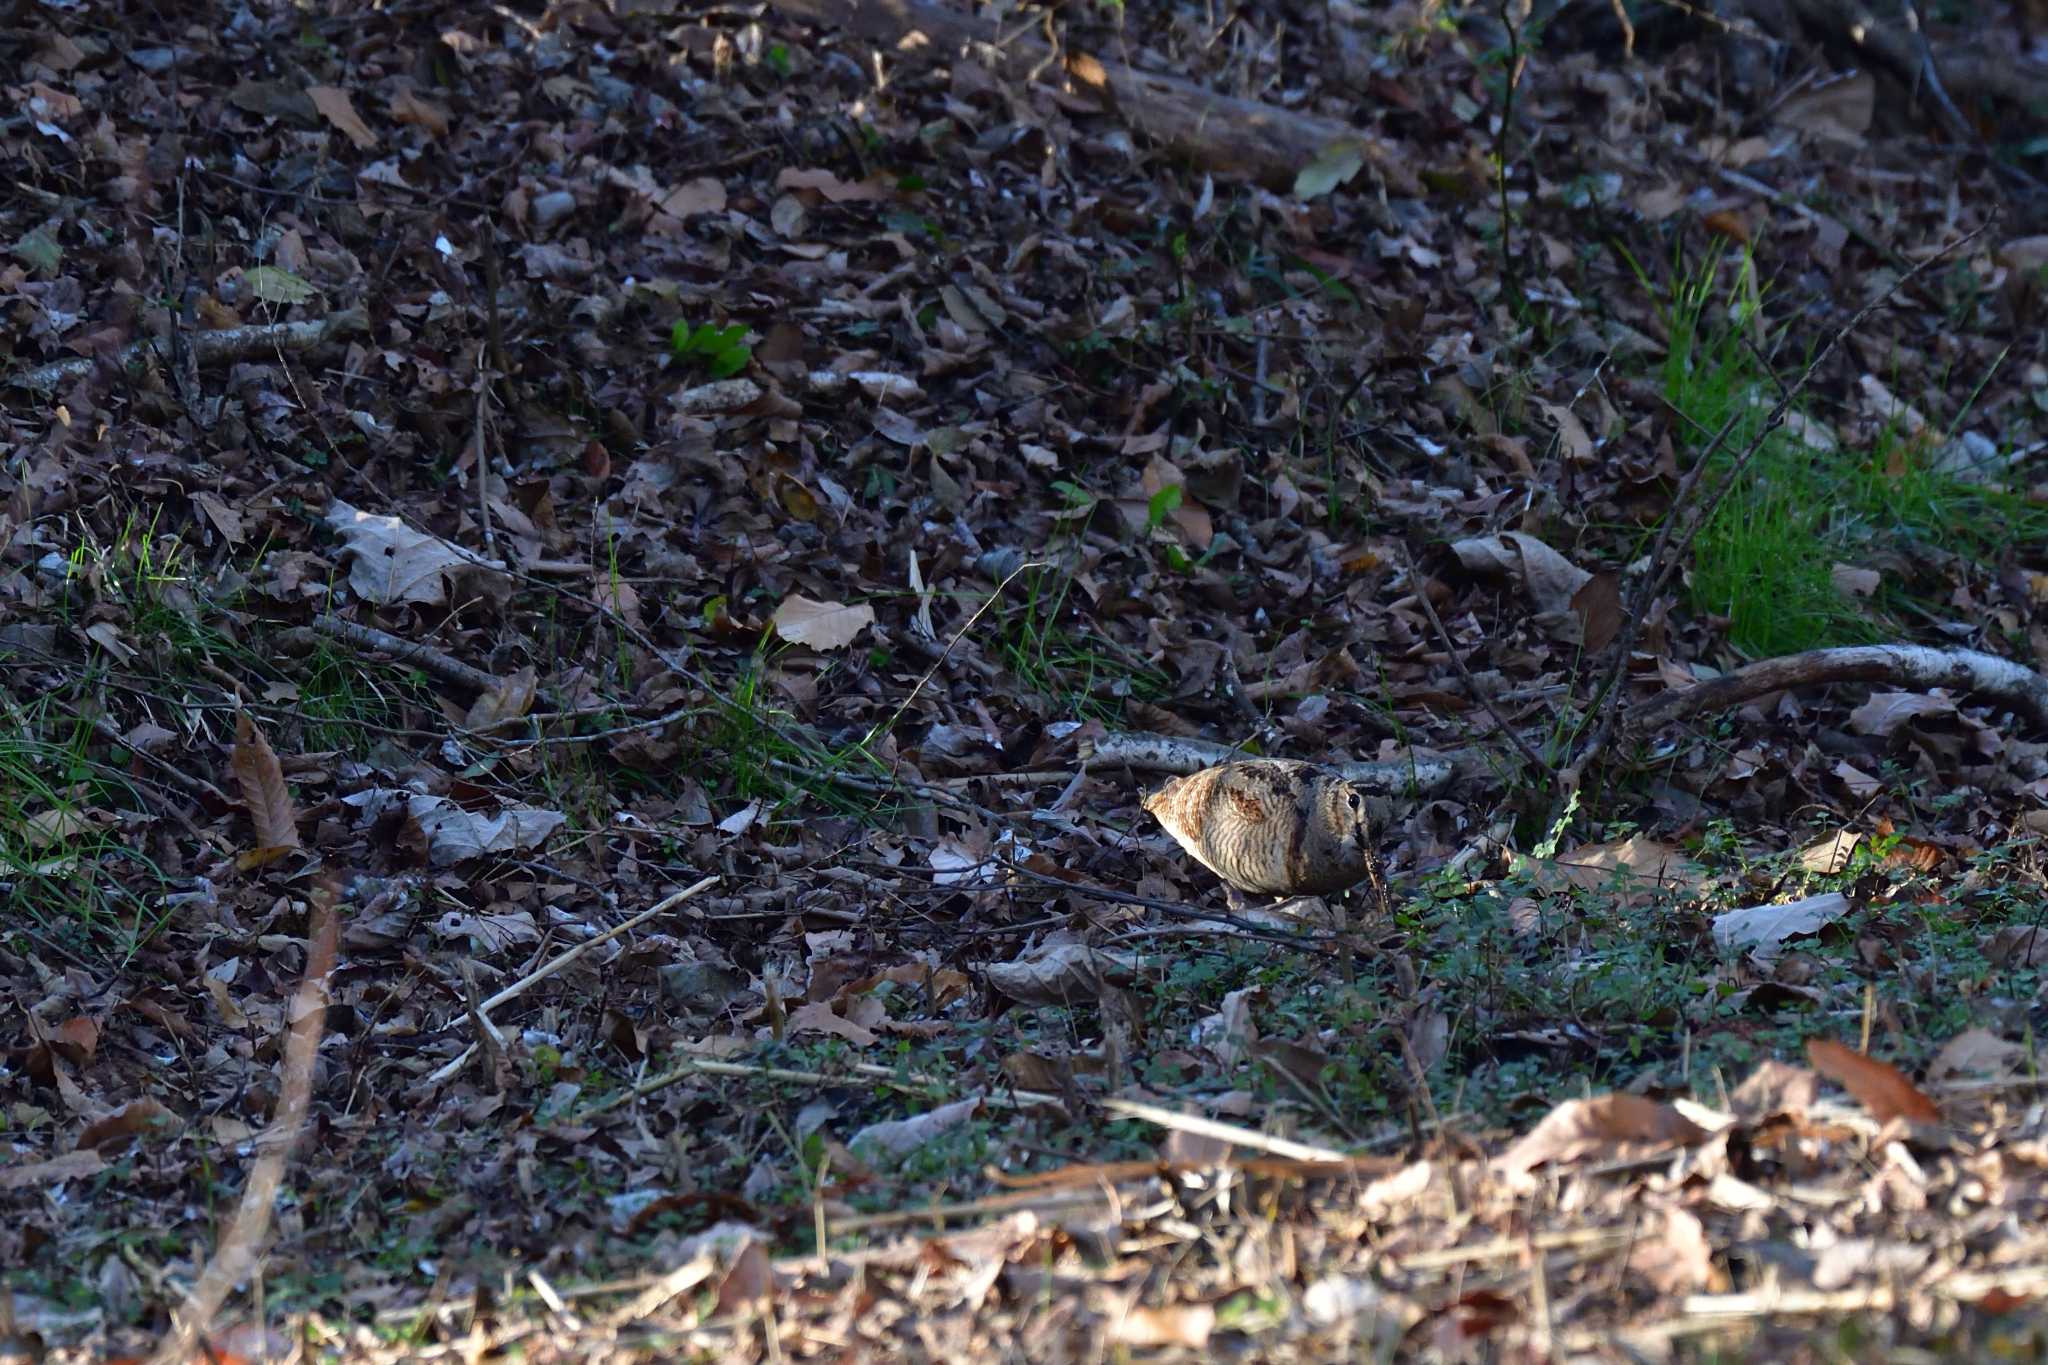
(722, 351)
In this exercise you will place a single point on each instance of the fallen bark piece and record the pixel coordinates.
(1963, 670)
(209, 348)
(1221, 133)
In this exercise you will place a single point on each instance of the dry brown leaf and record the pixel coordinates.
(336, 107)
(1598, 606)
(509, 700)
(262, 784)
(119, 1128)
(1878, 1086)
(899, 1137)
(1680, 1261)
(1180, 1324)
(409, 107)
(1604, 1127)
(819, 1017)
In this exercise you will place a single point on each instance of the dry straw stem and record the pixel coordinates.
(543, 972)
(235, 1259)
(1224, 1132)
(1665, 555)
(881, 1077)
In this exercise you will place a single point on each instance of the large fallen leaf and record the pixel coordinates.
(1764, 928)
(1551, 579)
(391, 562)
(1606, 1127)
(1057, 974)
(335, 106)
(453, 834)
(900, 1137)
(261, 779)
(1878, 1086)
(821, 625)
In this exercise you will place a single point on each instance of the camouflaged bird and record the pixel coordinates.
(1275, 826)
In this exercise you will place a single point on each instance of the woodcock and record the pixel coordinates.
(1272, 826)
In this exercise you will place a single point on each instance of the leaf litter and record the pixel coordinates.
(722, 767)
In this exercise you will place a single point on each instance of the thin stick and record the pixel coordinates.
(543, 972)
(1224, 1132)
(483, 456)
(441, 665)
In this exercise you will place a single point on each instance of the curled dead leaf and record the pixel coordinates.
(1878, 1086)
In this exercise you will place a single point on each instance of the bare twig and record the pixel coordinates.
(1964, 670)
(1176, 754)
(1479, 694)
(548, 969)
(441, 665)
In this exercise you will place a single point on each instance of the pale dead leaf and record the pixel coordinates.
(1571, 432)
(509, 700)
(831, 187)
(1830, 855)
(1976, 1051)
(702, 195)
(821, 625)
(390, 562)
(1676, 1259)
(409, 107)
(334, 104)
(900, 1137)
(1606, 1127)
(1885, 712)
(1180, 1324)
(1878, 1086)
(1550, 578)
(1227, 1033)
(1763, 929)
(1775, 1088)
(819, 1017)
(1057, 974)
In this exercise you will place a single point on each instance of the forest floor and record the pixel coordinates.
(588, 597)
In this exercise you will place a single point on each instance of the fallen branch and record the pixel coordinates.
(441, 665)
(208, 348)
(1906, 666)
(1219, 132)
(1173, 754)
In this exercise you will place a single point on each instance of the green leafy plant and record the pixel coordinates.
(721, 351)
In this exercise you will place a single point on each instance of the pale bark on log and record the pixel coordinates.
(208, 348)
(1221, 133)
(1174, 754)
(1912, 666)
